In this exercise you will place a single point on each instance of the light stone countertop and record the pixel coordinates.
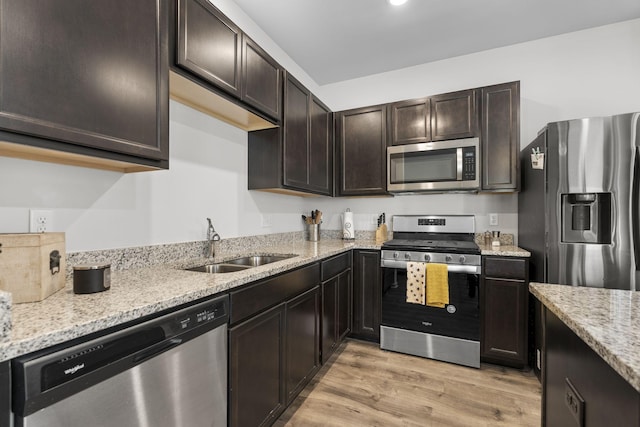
(504, 250)
(139, 292)
(607, 320)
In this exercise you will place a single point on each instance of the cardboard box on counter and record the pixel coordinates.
(32, 265)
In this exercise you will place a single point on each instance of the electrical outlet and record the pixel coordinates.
(493, 219)
(40, 221)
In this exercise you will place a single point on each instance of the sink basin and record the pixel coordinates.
(219, 268)
(239, 264)
(254, 261)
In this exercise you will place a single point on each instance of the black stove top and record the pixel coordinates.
(451, 246)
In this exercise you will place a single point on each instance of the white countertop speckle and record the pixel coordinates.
(607, 320)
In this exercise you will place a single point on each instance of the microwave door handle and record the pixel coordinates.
(459, 164)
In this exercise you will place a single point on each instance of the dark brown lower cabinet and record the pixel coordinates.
(5, 394)
(504, 311)
(274, 344)
(578, 387)
(302, 340)
(336, 312)
(367, 294)
(256, 366)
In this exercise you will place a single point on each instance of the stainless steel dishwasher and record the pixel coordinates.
(169, 371)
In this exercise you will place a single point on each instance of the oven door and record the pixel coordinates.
(459, 319)
(450, 334)
(442, 165)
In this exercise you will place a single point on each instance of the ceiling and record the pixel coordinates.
(336, 40)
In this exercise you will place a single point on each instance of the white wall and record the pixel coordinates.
(587, 73)
(99, 209)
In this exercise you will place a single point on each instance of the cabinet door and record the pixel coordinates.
(501, 136)
(367, 292)
(302, 341)
(93, 77)
(320, 148)
(261, 79)
(296, 134)
(410, 122)
(454, 115)
(362, 151)
(208, 44)
(329, 317)
(504, 323)
(256, 366)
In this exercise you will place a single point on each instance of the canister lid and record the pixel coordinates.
(91, 266)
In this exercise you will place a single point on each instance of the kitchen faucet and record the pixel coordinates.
(212, 236)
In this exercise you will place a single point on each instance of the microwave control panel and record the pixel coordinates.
(468, 163)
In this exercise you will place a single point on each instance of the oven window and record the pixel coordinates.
(423, 166)
(463, 322)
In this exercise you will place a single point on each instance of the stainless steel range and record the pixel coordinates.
(452, 333)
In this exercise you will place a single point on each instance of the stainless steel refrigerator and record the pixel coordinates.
(578, 208)
(578, 212)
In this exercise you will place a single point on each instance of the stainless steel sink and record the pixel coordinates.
(239, 264)
(219, 268)
(254, 261)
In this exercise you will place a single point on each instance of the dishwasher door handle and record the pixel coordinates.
(157, 349)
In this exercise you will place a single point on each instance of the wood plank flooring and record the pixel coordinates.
(362, 385)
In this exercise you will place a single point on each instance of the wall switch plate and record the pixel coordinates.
(40, 221)
(493, 219)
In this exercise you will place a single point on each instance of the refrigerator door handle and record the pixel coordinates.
(635, 208)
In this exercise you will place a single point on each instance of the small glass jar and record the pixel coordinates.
(495, 239)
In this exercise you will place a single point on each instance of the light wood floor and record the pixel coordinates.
(362, 385)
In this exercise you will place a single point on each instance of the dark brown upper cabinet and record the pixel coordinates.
(410, 121)
(213, 54)
(501, 137)
(296, 158)
(209, 44)
(454, 115)
(85, 85)
(361, 140)
(261, 79)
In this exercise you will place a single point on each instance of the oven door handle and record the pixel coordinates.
(452, 268)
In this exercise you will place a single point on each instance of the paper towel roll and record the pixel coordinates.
(348, 233)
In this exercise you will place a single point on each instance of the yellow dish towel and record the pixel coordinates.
(437, 285)
(416, 276)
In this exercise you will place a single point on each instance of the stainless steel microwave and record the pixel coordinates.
(452, 165)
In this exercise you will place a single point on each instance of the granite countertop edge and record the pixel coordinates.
(605, 319)
(504, 250)
(140, 292)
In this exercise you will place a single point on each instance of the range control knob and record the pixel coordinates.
(448, 258)
(407, 255)
(396, 255)
(427, 257)
(462, 259)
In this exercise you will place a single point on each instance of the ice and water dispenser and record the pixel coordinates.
(586, 218)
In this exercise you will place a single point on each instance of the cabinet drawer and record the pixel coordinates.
(255, 298)
(506, 268)
(336, 265)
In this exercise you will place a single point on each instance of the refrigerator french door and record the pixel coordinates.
(588, 232)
